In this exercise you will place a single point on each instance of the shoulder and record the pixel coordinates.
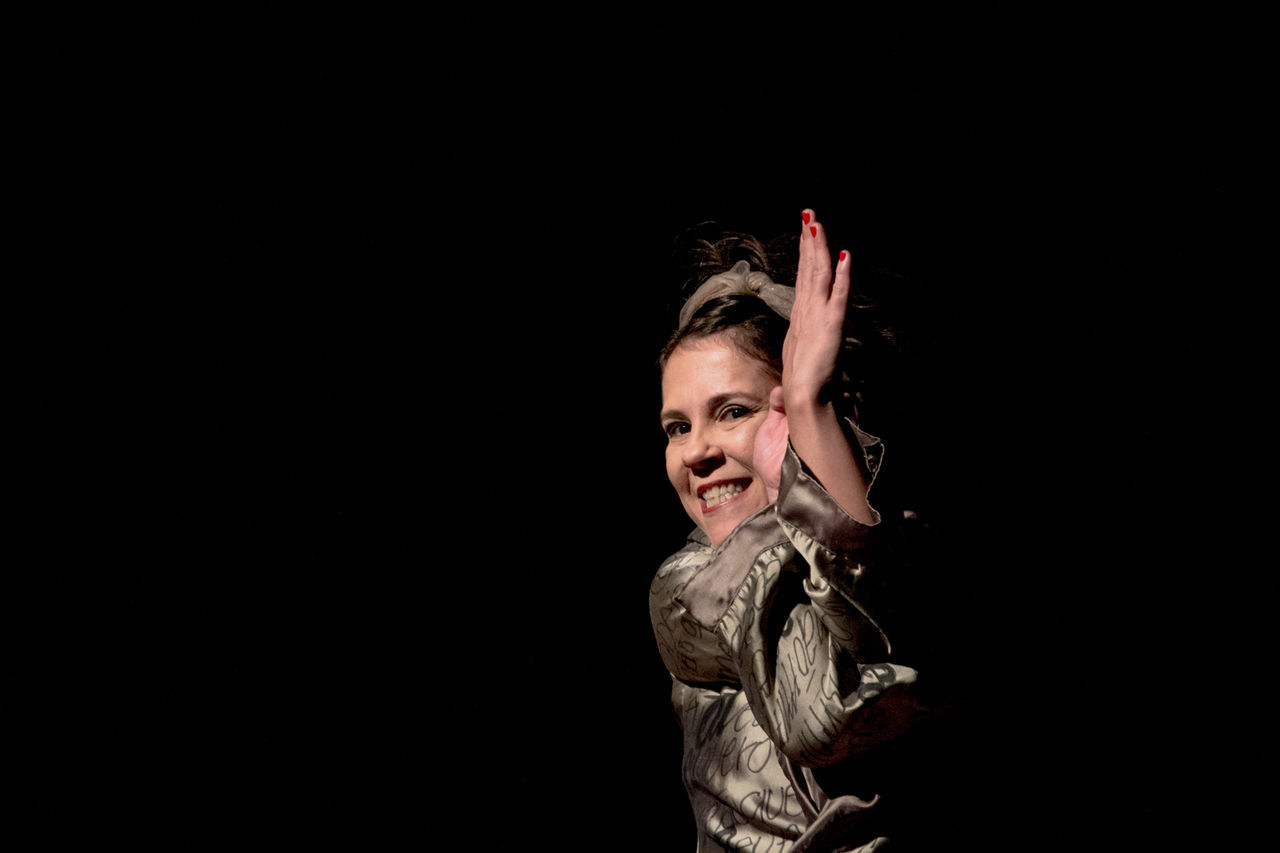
(696, 551)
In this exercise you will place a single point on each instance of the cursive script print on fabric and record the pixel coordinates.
(777, 668)
(736, 784)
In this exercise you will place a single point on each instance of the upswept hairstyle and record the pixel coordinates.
(707, 249)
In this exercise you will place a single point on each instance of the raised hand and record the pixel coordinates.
(810, 349)
(801, 411)
(816, 332)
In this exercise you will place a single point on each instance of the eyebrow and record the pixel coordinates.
(714, 403)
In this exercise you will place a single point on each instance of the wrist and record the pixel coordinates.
(809, 408)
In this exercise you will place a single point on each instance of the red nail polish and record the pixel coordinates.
(805, 217)
(843, 255)
(813, 229)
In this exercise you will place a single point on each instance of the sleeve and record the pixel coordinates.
(810, 657)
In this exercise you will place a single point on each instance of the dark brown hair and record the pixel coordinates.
(707, 249)
(752, 325)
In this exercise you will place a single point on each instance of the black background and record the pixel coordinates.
(340, 484)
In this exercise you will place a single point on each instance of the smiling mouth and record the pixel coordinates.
(717, 494)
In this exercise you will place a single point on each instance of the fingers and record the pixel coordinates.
(815, 274)
(841, 285)
(814, 271)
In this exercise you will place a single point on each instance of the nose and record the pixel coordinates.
(702, 453)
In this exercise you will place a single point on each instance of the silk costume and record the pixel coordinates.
(778, 670)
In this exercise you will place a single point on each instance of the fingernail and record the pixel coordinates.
(805, 216)
(843, 255)
(813, 229)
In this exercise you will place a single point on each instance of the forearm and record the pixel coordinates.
(820, 442)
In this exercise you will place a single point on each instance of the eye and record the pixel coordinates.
(674, 429)
(734, 413)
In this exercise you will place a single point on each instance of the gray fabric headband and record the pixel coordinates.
(740, 279)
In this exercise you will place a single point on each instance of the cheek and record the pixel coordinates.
(744, 443)
(675, 469)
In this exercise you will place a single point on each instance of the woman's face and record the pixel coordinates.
(714, 400)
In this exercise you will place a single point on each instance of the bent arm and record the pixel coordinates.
(809, 358)
(811, 659)
(818, 439)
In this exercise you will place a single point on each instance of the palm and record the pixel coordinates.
(816, 331)
(810, 350)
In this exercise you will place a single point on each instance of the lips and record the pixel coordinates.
(713, 495)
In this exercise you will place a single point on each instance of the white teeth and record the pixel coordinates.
(719, 494)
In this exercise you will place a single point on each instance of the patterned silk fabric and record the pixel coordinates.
(777, 669)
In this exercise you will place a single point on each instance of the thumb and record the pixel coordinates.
(777, 401)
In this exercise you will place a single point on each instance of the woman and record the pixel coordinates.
(778, 669)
